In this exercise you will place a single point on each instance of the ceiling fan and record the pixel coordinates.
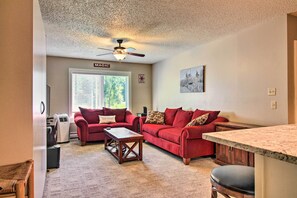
(120, 52)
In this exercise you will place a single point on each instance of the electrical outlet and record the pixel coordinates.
(273, 104)
(271, 91)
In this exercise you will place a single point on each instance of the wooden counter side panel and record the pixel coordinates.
(229, 155)
(223, 156)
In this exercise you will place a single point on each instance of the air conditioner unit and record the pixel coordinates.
(63, 125)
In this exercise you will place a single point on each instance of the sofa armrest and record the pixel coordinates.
(82, 127)
(79, 119)
(195, 132)
(133, 120)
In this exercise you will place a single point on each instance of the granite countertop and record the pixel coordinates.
(279, 142)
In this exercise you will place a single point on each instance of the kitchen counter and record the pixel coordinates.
(275, 151)
(279, 142)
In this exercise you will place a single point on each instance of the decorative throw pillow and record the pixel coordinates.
(155, 117)
(119, 113)
(212, 115)
(182, 118)
(91, 115)
(170, 115)
(107, 119)
(199, 121)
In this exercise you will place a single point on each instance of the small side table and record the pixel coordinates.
(141, 114)
(17, 179)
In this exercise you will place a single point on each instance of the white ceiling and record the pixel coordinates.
(157, 28)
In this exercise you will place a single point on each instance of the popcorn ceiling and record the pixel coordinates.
(157, 28)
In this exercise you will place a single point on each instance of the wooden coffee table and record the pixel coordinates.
(116, 142)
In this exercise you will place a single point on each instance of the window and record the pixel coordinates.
(96, 89)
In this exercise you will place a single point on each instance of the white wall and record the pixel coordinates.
(239, 69)
(58, 80)
(39, 95)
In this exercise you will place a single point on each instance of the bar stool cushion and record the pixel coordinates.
(7, 186)
(235, 177)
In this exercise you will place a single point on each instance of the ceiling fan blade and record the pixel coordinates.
(135, 54)
(130, 49)
(104, 49)
(103, 54)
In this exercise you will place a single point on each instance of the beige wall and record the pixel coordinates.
(274, 178)
(16, 142)
(58, 80)
(292, 72)
(239, 69)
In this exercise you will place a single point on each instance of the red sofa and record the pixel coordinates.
(89, 129)
(182, 141)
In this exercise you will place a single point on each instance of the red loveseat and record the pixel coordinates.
(182, 141)
(89, 129)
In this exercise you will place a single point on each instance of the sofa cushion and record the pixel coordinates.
(119, 113)
(91, 115)
(97, 128)
(211, 117)
(153, 129)
(171, 134)
(170, 115)
(182, 118)
(199, 120)
(155, 117)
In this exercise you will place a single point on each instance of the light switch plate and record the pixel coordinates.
(271, 91)
(273, 104)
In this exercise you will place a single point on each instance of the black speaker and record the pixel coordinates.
(53, 156)
(145, 110)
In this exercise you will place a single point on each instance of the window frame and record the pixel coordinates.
(99, 72)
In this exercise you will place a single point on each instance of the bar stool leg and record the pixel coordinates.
(20, 189)
(31, 182)
(214, 193)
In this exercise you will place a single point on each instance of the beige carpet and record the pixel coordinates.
(90, 171)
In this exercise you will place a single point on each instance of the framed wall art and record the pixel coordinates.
(141, 78)
(192, 80)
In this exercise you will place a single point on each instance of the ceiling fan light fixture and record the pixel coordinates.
(120, 52)
(120, 56)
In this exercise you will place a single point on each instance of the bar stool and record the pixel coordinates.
(17, 180)
(233, 180)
